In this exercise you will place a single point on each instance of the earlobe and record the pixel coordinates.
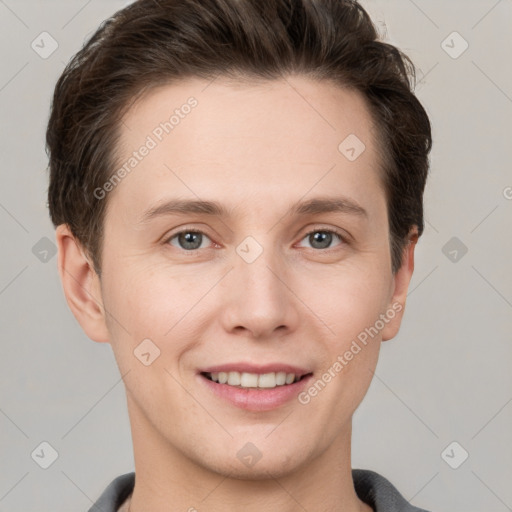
(81, 285)
(401, 282)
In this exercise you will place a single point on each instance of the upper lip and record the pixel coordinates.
(255, 368)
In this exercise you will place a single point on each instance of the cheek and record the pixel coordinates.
(348, 301)
(350, 356)
(147, 304)
(151, 314)
(350, 305)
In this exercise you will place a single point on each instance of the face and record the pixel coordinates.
(284, 277)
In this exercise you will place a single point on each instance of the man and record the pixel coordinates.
(237, 189)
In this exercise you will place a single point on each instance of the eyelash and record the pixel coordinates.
(336, 232)
(340, 235)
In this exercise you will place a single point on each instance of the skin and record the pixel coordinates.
(257, 149)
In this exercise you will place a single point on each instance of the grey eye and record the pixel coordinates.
(321, 238)
(188, 240)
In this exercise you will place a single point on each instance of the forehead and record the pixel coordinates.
(246, 140)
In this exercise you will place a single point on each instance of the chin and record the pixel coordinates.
(263, 468)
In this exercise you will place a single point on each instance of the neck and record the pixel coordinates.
(165, 475)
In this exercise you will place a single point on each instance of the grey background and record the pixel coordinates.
(446, 377)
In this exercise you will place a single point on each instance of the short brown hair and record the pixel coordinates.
(154, 42)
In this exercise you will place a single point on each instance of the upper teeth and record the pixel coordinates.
(254, 380)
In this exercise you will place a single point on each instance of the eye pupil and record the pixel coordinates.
(192, 240)
(323, 237)
(188, 240)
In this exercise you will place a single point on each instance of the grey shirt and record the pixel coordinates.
(370, 487)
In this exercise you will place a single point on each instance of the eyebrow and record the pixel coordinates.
(302, 208)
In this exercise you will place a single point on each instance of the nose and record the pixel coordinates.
(260, 299)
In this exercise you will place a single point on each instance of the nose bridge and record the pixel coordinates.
(260, 301)
(256, 265)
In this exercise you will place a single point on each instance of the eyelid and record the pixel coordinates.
(185, 229)
(344, 237)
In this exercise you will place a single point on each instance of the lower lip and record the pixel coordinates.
(257, 399)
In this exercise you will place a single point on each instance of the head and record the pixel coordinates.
(266, 98)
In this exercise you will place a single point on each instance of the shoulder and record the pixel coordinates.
(372, 488)
(380, 493)
(115, 493)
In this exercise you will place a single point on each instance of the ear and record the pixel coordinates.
(81, 285)
(400, 285)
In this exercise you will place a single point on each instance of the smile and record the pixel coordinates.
(256, 392)
(254, 380)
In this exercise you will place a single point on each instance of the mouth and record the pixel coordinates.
(255, 387)
(256, 392)
(247, 380)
